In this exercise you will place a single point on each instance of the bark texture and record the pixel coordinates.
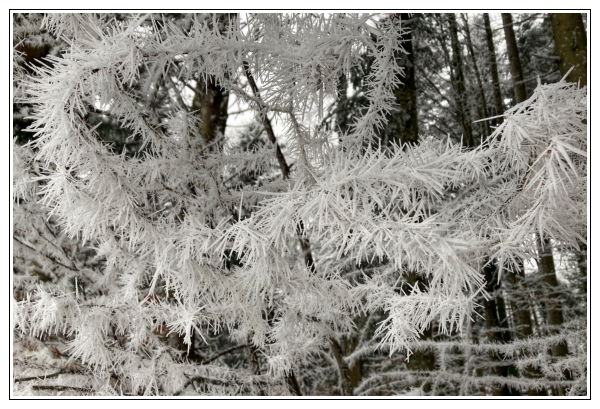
(405, 120)
(570, 40)
(211, 103)
(516, 72)
(345, 373)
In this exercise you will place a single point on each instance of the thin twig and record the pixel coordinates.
(220, 354)
(518, 22)
(285, 169)
(60, 388)
(41, 377)
(45, 255)
(177, 93)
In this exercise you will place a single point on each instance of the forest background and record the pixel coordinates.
(527, 336)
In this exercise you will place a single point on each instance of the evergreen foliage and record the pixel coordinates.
(152, 259)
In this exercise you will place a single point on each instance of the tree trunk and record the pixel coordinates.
(495, 318)
(345, 374)
(520, 308)
(524, 326)
(484, 111)
(350, 344)
(211, 103)
(554, 314)
(461, 97)
(582, 264)
(495, 307)
(570, 40)
(407, 128)
(293, 384)
(499, 104)
(342, 109)
(516, 71)
(253, 364)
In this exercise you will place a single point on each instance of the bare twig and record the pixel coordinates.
(60, 388)
(45, 255)
(285, 169)
(220, 354)
(41, 377)
(518, 22)
(177, 93)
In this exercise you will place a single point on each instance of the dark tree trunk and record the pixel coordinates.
(350, 344)
(554, 313)
(345, 373)
(524, 325)
(499, 104)
(484, 110)
(495, 307)
(407, 128)
(495, 318)
(461, 96)
(520, 308)
(211, 103)
(341, 110)
(293, 384)
(570, 40)
(516, 71)
(582, 264)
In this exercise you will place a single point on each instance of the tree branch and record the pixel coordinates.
(285, 169)
(220, 354)
(45, 255)
(41, 377)
(60, 388)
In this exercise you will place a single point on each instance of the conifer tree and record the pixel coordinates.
(246, 267)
